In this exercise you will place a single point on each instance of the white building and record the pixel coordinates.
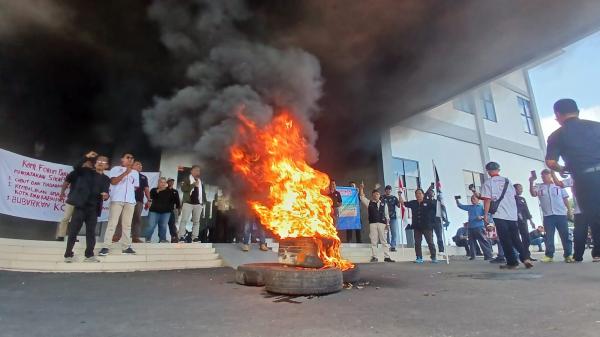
(497, 121)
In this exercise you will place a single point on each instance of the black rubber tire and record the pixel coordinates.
(351, 275)
(253, 274)
(303, 281)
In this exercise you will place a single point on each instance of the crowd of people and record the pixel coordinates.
(497, 215)
(127, 190)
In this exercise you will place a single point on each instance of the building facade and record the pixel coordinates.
(497, 121)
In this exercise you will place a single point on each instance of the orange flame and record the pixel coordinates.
(286, 191)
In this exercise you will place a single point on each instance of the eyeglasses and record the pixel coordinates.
(101, 162)
(128, 157)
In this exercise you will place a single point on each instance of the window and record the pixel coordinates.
(527, 116)
(474, 178)
(464, 103)
(489, 111)
(408, 171)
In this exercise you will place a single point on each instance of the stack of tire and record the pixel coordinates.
(290, 280)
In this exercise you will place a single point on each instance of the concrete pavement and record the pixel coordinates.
(401, 299)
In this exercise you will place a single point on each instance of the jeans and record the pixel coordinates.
(356, 234)
(587, 191)
(437, 227)
(160, 219)
(89, 215)
(195, 212)
(428, 234)
(136, 224)
(172, 224)
(464, 243)
(248, 230)
(477, 235)
(508, 235)
(580, 234)
(377, 235)
(123, 212)
(557, 223)
(524, 231)
(393, 233)
(537, 242)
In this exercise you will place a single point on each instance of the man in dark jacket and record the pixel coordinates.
(87, 196)
(423, 211)
(524, 216)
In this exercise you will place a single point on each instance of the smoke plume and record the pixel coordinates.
(227, 72)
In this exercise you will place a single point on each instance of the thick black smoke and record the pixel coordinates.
(227, 72)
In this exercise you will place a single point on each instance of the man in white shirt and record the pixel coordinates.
(499, 191)
(193, 200)
(123, 181)
(554, 201)
(582, 225)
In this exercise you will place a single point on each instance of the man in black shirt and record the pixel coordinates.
(336, 197)
(423, 213)
(87, 197)
(577, 141)
(176, 211)
(523, 216)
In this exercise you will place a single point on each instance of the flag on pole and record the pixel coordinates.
(401, 189)
(441, 207)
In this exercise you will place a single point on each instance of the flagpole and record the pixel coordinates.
(444, 228)
(401, 224)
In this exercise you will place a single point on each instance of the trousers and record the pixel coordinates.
(377, 235)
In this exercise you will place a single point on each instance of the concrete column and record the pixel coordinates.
(480, 128)
(535, 114)
(386, 157)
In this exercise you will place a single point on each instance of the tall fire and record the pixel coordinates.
(286, 193)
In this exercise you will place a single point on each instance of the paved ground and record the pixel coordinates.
(402, 299)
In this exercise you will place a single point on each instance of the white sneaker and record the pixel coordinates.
(245, 248)
(91, 259)
(70, 259)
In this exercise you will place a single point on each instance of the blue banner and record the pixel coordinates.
(349, 212)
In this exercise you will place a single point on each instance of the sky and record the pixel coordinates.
(575, 73)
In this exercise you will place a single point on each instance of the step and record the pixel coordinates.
(113, 258)
(54, 244)
(126, 266)
(140, 250)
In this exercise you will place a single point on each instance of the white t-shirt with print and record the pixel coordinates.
(569, 183)
(492, 189)
(124, 191)
(551, 199)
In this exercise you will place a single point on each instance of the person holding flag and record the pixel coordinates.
(440, 221)
(422, 210)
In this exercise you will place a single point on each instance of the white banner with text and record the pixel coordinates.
(30, 188)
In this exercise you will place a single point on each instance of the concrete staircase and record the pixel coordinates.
(47, 256)
(361, 252)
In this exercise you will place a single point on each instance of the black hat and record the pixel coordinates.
(388, 187)
(565, 106)
(492, 166)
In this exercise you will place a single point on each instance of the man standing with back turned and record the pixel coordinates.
(499, 200)
(577, 141)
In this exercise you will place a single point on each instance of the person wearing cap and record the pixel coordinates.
(392, 202)
(577, 142)
(379, 218)
(554, 202)
(499, 191)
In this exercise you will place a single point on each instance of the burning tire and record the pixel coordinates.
(253, 274)
(351, 275)
(303, 281)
